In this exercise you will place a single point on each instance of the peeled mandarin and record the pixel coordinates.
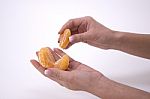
(62, 63)
(46, 58)
(64, 38)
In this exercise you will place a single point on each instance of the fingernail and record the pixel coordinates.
(70, 38)
(47, 72)
(37, 53)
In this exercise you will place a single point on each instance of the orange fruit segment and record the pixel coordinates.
(62, 63)
(64, 38)
(46, 58)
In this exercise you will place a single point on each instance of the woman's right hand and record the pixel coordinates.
(89, 31)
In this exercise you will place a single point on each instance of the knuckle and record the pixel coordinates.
(57, 75)
(89, 17)
(70, 23)
(71, 20)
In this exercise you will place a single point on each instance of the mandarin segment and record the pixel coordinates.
(62, 63)
(64, 38)
(46, 58)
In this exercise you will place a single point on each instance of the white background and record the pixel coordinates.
(28, 25)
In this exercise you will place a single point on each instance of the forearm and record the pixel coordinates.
(108, 89)
(135, 44)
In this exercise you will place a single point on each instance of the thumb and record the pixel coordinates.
(56, 73)
(82, 37)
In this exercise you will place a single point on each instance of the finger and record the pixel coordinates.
(54, 54)
(38, 66)
(60, 36)
(69, 45)
(71, 24)
(57, 74)
(59, 39)
(61, 53)
(37, 53)
(42, 69)
(74, 65)
(82, 37)
(73, 31)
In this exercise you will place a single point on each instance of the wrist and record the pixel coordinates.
(109, 89)
(99, 87)
(105, 88)
(116, 40)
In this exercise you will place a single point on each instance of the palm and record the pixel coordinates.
(77, 77)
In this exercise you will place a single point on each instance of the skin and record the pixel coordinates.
(74, 78)
(79, 76)
(89, 31)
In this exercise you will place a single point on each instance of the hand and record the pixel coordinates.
(89, 31)
(83, 78)
(77, 77)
